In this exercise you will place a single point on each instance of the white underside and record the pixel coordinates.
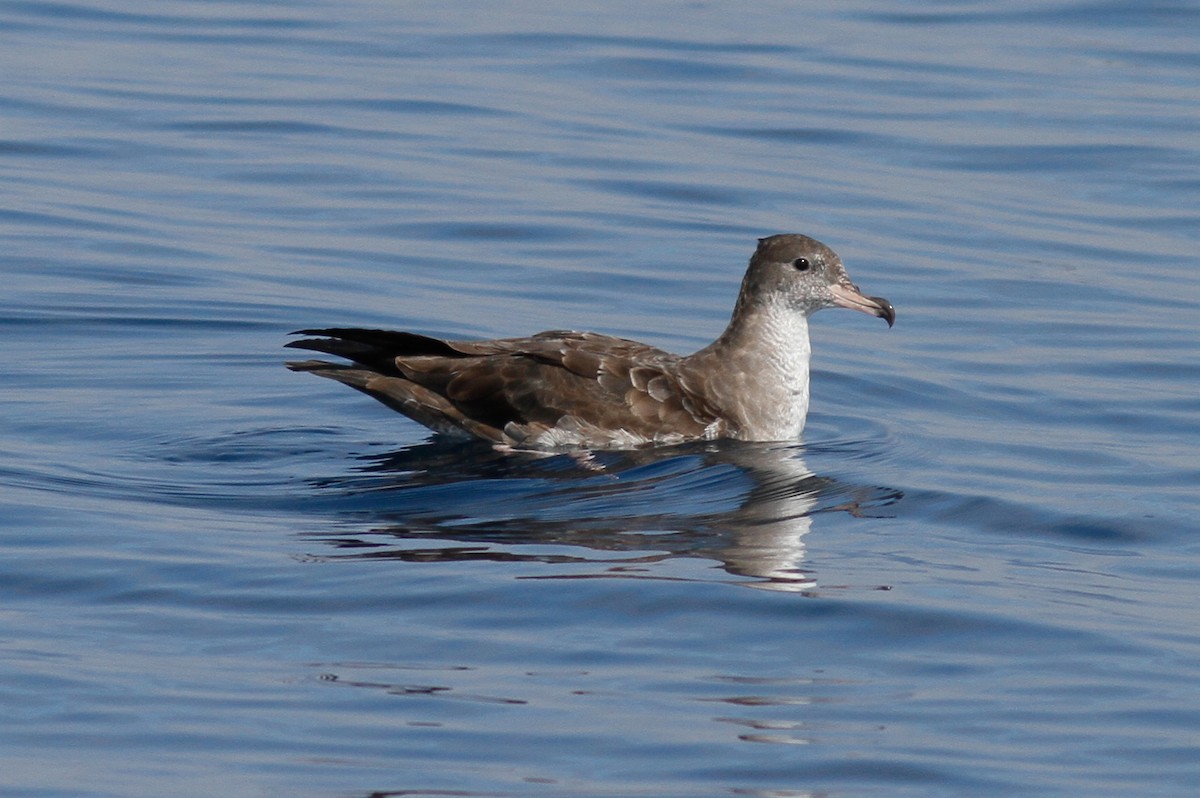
(572, 433)
(776, 389)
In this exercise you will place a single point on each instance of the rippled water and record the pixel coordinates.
(977, 575)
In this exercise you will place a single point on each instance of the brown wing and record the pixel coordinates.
(554, 388)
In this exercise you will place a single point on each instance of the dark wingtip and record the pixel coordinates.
(330, 346)
(327, 332)
(377, 348)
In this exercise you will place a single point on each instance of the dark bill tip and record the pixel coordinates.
(885, 310)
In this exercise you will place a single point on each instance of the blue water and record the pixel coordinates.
(979, 573)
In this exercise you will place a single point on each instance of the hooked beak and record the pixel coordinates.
(848, 296)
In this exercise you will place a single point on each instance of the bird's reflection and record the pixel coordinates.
(747, 506)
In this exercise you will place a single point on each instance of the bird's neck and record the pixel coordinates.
(763, 357)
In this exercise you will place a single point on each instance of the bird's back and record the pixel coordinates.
(551, 390)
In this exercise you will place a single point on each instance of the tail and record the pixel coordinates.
(376, 374)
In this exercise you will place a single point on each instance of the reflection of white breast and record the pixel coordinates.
(769, 527)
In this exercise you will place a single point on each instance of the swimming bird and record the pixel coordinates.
(581, 390)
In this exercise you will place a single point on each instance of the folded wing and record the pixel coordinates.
(551, 390)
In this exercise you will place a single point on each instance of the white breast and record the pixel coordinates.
(774, 398)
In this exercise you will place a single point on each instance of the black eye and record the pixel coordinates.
(801, 264)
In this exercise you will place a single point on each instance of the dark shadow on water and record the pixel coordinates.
(746, 506)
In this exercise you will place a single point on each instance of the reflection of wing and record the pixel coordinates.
(552, 389)
(745, 505)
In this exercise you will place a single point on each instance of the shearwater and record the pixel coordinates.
(581, 390)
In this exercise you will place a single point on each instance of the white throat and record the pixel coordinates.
(782, 384)
(763, 359)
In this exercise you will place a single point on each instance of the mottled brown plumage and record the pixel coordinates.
(564, 389)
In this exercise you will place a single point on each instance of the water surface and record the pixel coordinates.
(976, 575)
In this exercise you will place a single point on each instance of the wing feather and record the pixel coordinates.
(551, 389)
